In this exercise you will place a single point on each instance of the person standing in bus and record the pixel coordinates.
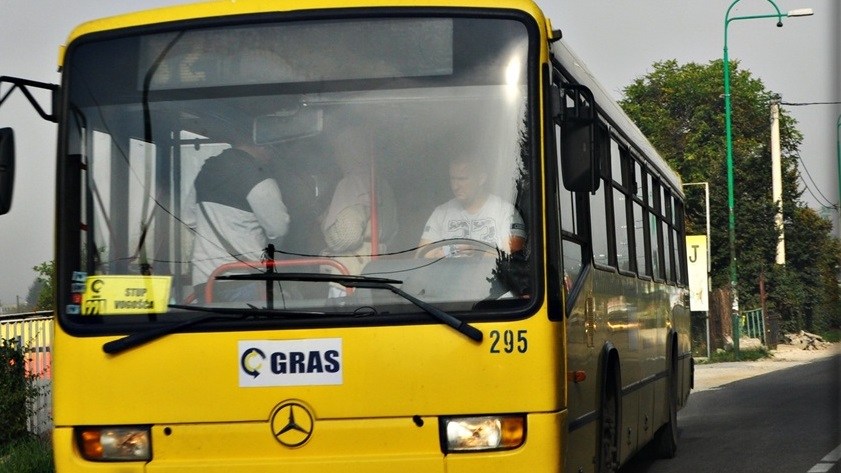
(347, 222)
(235, 209)
(361, 202)
(473, 213)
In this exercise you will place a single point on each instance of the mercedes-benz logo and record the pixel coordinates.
(292, 424)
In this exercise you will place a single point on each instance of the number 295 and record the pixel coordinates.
(509, 341)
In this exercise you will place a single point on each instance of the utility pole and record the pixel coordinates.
(777, 179)
(777, 195)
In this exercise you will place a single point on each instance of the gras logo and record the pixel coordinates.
(307, 362)
(252, 361)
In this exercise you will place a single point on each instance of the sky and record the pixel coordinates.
(619, 40)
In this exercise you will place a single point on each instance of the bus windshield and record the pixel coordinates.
(221, 166)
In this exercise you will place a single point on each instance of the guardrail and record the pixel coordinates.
(753, 324)
(33, 331)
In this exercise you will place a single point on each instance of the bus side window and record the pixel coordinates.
(679, 248)
(668, 241)
(619, 172)
(640, 233)
(601, 206)
(653, 201)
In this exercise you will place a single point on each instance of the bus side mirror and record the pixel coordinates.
(575, 110)
(7, 168)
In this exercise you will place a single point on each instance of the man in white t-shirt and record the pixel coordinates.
(473, 214)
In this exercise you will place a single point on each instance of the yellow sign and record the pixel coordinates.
(125, 295)
(696, 264)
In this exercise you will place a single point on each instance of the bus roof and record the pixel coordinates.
(220, 8)
(578, 71)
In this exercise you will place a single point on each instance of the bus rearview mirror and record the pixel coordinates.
(576, 113)
(7, 168)
(288, 125)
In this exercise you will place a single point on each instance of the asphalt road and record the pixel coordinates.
(785, 421)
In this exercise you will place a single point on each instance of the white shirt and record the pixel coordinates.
(495, 223)
(243, 206)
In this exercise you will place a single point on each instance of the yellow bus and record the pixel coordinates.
(355, 235)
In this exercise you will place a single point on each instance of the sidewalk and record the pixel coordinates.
(715, 375)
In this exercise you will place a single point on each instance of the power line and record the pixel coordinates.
(803, 104)
(826, 202)
(809, 190)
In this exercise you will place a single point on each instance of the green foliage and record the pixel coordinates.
(20, 451)
(26, 455)
(44, 285)
(832, 336)
(17, 392)
(680, 108)
(722, 356)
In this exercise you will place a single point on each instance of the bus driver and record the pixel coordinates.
(473, 213)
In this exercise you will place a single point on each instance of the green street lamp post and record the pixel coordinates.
(731, 220)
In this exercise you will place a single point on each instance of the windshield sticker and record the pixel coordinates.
(125, 295)
(312, 362)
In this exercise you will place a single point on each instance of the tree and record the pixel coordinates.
(680, 109)
(41, 291)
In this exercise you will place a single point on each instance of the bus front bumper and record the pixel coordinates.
(359, 445)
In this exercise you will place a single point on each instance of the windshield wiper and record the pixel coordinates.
(213, 313)
(239, 313)
(366, 282)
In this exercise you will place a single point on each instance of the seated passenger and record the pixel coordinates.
(473, 213)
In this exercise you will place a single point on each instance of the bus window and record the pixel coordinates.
(640, 228)
(599, 226)
(668, 243)
(618, 158)
(220, 169)
(679, 247)
(654, 227)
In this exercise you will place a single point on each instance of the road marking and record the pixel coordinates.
(827, 462)
(833, 456)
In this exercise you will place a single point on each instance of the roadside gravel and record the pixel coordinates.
(716, 375)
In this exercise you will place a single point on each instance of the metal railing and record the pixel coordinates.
(33, 332)
(753, 324)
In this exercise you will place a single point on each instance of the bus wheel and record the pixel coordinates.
(608, 440)
(665, 439)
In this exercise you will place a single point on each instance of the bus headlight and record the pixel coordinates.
(463, 434)
(114, 443)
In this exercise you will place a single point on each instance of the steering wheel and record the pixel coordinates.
(476, 246)
(250, 265)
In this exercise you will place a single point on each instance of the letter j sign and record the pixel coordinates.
(696, 264)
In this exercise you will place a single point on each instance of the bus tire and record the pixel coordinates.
(607, 441)
(665, 439)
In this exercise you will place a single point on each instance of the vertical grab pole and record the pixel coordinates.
(375, 223)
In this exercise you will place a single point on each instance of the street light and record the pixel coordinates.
(731, 221)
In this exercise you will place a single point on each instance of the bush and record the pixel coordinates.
(28, 454)
(831, 336)
(18, 392)
(720, 356)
